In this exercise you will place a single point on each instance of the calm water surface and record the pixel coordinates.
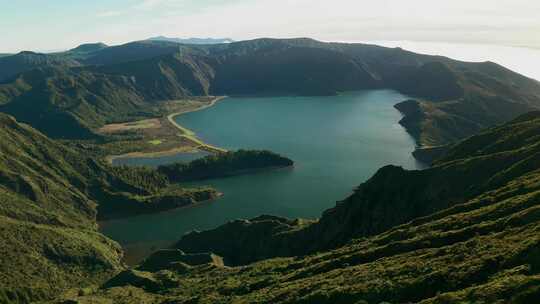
(336, 142)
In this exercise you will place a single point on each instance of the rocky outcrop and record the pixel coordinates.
(413, 116)
(147, 281)
(428, 155)
(170, 258)
(255, 239)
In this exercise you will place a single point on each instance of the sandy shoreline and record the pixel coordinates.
(188, 135)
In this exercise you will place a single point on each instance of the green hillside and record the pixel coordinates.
(452, 99)
(50, 198)
(467, 234)
(225, 164)
(11, 65)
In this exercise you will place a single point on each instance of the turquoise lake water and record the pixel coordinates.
(337, 142)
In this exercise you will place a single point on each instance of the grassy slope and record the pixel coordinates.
(49, 200)
(48, 230)
(11, 65)
(482, 248)
(75, 101)
(491, 95)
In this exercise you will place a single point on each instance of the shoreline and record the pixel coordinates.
(138, 251)
(104, 222)
(188, 135)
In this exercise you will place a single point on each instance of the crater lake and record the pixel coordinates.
(336, 142)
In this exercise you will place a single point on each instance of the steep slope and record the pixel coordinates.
(166, 77)
(50, 198)
(48, 231)
(455, 99)
(481, 246)
(12, 65)
(73, 103)
(276, 68)
(69, 103)
(491, 95)
(393, 196)
(452, 99)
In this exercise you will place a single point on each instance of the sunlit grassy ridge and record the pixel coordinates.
(49, 200)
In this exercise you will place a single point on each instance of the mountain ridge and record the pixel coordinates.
(193, 40)
(456, 99)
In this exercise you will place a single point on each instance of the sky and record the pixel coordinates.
(62, 24)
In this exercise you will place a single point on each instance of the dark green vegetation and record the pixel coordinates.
(79, 88)
(50, 197)
(224, 164)
(24, 61)
(465, 231)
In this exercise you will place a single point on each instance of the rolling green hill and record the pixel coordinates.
(464, 231)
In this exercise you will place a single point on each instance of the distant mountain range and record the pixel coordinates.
(193, 40)
(93, 84)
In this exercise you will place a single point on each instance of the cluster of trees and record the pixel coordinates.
(224, 164)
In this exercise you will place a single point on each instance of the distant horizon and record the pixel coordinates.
(375, 42)
(521, 59)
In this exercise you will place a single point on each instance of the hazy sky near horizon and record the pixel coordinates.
(62, 24)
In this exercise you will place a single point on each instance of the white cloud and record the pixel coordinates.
(153, 4)
(107, 14)
(508, 22)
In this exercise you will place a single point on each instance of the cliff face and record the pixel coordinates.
(464, 231)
